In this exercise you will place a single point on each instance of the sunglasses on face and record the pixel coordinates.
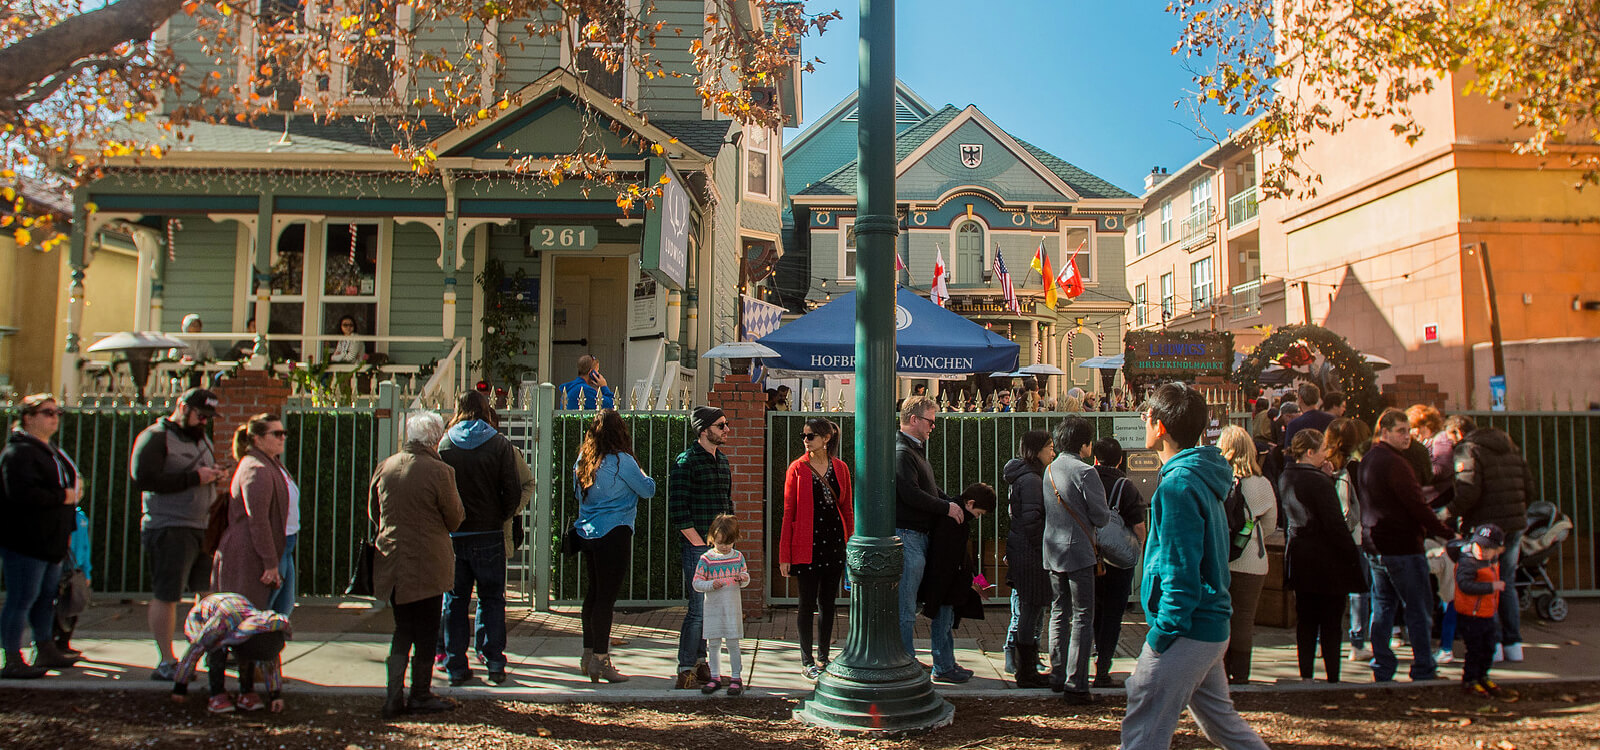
(809, 435)
(723, 425)
(278, 433)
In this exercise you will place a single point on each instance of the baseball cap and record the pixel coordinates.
(1489, 535)
(201, 400)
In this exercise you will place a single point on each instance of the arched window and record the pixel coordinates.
(968, 260)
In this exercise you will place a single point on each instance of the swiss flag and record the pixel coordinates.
(1070, 281)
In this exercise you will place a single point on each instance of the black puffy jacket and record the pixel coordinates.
(1493, 483)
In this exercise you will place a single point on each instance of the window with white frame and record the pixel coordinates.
(1167, 302)
(319, 59)
(322, 273)
(847, 248)
(1078, 245)
(1139, 247)
(1141, 316)
(1202, 286)
(758, 161)
(1200, 196)
(1166, 221)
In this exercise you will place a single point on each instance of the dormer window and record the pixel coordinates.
(316, 58)
(593, 51)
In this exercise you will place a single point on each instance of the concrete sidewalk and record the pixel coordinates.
(339, 648)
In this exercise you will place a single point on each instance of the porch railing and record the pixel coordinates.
(1242, 207)
(1245, 300)
(1197, 228)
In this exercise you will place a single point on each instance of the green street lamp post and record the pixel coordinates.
(875, 687)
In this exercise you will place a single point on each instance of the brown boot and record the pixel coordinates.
(584, 661)
(702, 671)
(600, 669)
(687, 681)
(49, 656)
(17, 668)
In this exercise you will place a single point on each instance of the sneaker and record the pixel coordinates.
(1476, 689)
(687, 680)
(813, 672)
(460, 678)
(953, 677)
(1491, 688)
(712, 685)
(1444, 656)
(439, 664)
(1499, 653)
(1360, 654)
(497, 676)
(167, 671)
(1513, 652)
(221, 703)
(735, 687)
(251, 702)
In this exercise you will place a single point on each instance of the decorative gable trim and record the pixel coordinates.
(971, 114)
(537, 94)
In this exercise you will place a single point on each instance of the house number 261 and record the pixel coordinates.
(564, 238)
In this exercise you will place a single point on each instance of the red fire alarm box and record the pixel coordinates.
(1430, 333)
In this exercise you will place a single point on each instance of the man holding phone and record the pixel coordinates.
(589, 389)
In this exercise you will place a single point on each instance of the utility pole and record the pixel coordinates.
(1305, 299)
(875, 688)
(1496, 346)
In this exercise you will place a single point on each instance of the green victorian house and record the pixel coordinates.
(292, 224)
(968, 191)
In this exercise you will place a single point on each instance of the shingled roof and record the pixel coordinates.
(843, 180)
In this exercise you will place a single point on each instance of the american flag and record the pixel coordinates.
(1005, 283)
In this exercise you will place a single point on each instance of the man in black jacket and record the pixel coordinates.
(1394, 521)
(490, 489)
(918, 503)
(1493, 484)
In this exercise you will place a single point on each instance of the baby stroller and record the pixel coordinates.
(1547, 528)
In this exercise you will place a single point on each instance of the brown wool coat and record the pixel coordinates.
(414, 503)
(258, 515)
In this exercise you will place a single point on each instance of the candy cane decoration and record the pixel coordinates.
(352, 244)
(173, 225)
(1099, 344)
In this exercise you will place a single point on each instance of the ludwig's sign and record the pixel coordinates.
(665, 251)
(1176, 355)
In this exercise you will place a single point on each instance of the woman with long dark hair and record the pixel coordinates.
(251, 548)
(41, 489)
(1342, 444)
(1025, 574)
(818, 517)
(609, 485)
(1320, 561)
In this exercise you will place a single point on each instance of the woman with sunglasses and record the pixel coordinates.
(247, 558)
(817, 519)
(41, 489)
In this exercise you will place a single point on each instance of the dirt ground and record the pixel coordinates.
(1545, 716)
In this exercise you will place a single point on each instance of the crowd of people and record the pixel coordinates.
(1380, 523)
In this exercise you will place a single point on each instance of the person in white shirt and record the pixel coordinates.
(1249, 571)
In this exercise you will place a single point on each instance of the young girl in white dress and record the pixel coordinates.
(720, 575)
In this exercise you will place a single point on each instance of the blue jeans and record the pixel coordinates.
(1398, 579)
(30, 598)
(1361, 608)
(691, 644)
(1510, 609)
(915, 544)
(480, 562)
(943, 640)
(1026, 620)
(283, 599)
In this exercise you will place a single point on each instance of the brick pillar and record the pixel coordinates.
(246, 394)
(745, 405)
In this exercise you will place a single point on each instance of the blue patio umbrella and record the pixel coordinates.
(929, 340)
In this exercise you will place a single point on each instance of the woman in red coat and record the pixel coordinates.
(246, 561)
(817, 519)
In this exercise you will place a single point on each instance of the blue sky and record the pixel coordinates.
(1091, 81)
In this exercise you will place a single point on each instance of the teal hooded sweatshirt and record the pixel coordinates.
(1186, 554)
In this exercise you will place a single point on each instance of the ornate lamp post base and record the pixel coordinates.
(875, 688)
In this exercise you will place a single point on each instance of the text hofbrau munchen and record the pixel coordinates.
(908, 363)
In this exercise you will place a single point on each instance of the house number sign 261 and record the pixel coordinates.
(563, 238)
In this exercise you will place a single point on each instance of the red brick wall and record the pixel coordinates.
(745, 405)
(246, 394)
(1412, 389)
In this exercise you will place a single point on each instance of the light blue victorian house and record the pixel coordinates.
(969, 191)
(293, 224)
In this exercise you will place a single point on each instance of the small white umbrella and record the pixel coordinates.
(739, 354)
(139, 346)
(1040, 368)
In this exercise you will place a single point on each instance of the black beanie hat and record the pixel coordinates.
(703, 417)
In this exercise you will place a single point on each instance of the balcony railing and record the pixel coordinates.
(1196, 229)
(1242, 207)
(1246, 299)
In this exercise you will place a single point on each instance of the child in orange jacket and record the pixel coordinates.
(1478, 588)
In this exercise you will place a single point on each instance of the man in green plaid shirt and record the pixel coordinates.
(699, 489)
